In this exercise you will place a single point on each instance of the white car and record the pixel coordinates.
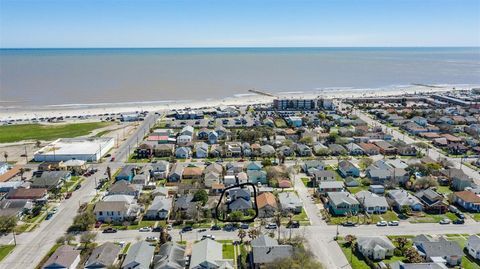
(205, 236)
(393, 223)
(145, 229)
(151, 239)
(382, 223)
(445, 221)
(271, 226)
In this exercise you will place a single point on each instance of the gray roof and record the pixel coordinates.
(342, 197)
(184, 201)
(139, 256)
(289, 200)
(240, 204)
(103, 255)
(439, 248)
(161, 203)
(330, 184)
(402, 197)
(267, 250)
(427, 265)
(370, 242)
(474, 241)
(63, 257)
(369, 199)
(205, 252)
(170, 256)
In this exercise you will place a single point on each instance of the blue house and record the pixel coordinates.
(348, 169)
(257, 176)
(254, 166)
(468, 200)
(127, 173)
(295, 121)
(213, 137)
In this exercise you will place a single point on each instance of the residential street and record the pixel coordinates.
(432, 152)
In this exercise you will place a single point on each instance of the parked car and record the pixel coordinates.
(393, 223)
(157, 229)
(460, 215)
(348, 224)
(459, 221)
(215, 228)
(445, 221)
(109, 230)
(151, 239)
(205, 236)
(271, 226)
(145, 229)
(78, 186)
(453, 209)
(244, 226)
(68, 195)
(187, 229)
(229, 228)
(98, 224)
(293, 224)
(382, 223)
(202, 230)
(49, 216)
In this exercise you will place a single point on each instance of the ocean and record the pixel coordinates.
(46, 77)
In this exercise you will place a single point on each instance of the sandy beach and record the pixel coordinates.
(10, 112)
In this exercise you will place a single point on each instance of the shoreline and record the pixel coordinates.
(7, 113)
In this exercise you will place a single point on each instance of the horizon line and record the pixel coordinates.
(237, 47)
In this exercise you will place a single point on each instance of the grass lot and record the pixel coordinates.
(4, 250)
(475, 216)
(430, 218)
(444, 189)
(354, 190)
(19, 132)
(71, 184)
(142, 223)
(227, 251)
(389, 216)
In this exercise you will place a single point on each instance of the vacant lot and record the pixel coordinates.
(14, 133)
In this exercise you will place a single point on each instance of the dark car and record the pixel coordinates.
(109, 230)
(229, 228)
(69, 194)
(293, 224)
(202, 230)
(215, 228)
(78, 186)
(244, 226)
(187, 229)
(157, 229)
(49, 216)
(459, 221)
(460, 215)
(348, 224)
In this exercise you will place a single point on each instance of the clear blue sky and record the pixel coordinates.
(238, 23)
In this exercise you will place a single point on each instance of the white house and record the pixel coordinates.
(375, 247)
(473, 246)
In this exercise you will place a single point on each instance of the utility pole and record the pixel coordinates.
(26, 157)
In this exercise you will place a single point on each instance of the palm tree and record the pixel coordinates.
(278, 220)
(290, 216)
(253, 233)
(401, 242)
(241, 234)
(38, 143)
(5, 155)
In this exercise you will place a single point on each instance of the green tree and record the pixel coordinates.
(241, 234)
(7, 225)
(83, 221)
(401, 242)
(366, 162)
(87, 238)
(236, 216)
(413, 256)
(201, 196)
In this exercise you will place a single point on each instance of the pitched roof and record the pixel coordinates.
(206, 250)
(468, 196)
(64, 256)
(103, 255)
(170, 256)
(139, 255)
(266, 198)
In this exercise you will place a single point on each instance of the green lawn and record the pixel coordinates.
(354, 190)
(227, 251)
(4, 250)
(373, 218)
(19, 132)
(355, 262)
(475, 216)
(444, 189)
(431, 218)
